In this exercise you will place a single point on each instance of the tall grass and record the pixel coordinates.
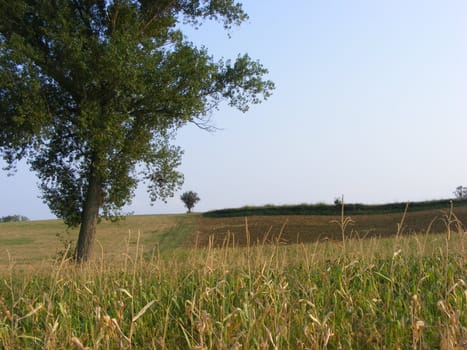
(401, 293)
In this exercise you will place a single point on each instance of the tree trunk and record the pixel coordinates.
(87, 231)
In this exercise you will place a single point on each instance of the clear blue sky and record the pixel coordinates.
(370, 102)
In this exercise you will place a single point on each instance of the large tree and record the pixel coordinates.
(92, 92)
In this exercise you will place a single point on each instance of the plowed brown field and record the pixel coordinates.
(312, 228)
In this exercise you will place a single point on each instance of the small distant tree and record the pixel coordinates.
(460, 192)
(13, 218)
(190, 198)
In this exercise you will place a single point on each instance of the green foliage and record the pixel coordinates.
(189, 198)
(325, 209)
(13, 218)
(101, 86)
(93, 92)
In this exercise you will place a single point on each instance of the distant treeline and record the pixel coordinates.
(13, 218)
(335, 209)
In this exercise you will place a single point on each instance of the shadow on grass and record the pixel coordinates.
(15, 241)
(174, 237)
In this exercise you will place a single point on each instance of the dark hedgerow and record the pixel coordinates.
(332, 209)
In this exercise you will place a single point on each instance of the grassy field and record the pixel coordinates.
(33, 242)
(187, 282)
(39, 241)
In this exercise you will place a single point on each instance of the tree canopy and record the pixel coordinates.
(92, 93)
(460, 192)
(190, 198)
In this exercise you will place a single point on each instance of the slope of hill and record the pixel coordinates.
(35, 241)
(312, 228)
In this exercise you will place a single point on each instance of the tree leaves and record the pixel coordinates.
(101, 87)
(190, 198)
